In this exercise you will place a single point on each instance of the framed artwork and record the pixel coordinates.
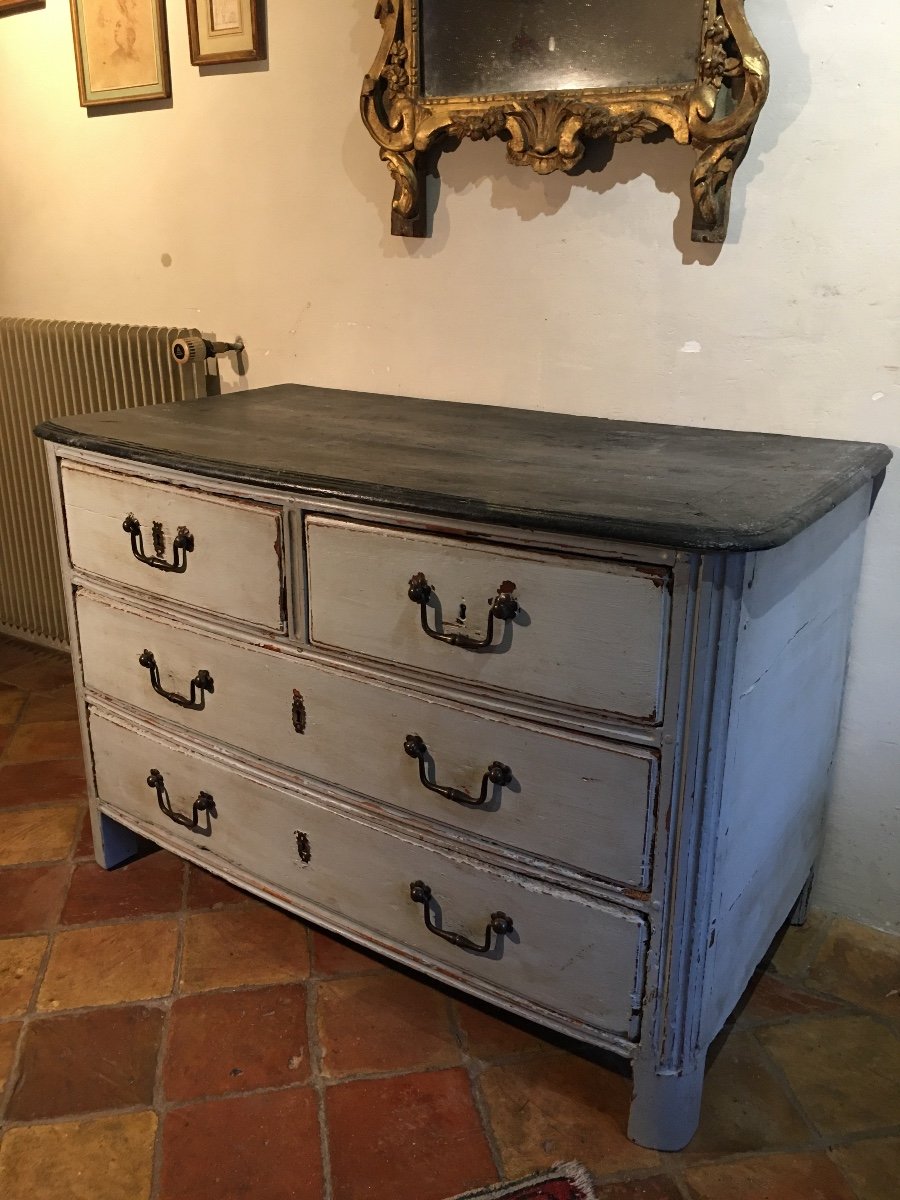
(225, 31)
(7, 6)
(121, 51)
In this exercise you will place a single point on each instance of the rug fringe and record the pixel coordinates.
(579, 1176)
(573, 1172)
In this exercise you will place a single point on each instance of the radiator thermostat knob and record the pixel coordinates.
(196, 349)
(189, 349)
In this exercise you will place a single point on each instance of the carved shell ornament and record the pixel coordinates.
(547, 130)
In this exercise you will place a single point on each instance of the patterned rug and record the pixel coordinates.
(565, 1181)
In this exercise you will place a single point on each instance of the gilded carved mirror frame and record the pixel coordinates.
(715, 113)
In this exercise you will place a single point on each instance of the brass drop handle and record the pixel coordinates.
(503, 608)
(182, 545)
(203, 804)
(498, 774)
(498, 925)
(200, 685)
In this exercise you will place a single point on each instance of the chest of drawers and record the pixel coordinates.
(541, 706)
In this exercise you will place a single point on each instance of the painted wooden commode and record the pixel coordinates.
(543, 706)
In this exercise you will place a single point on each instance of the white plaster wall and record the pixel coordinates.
(255, 204)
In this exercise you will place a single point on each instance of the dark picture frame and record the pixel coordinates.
(11, 6)
(225, 31)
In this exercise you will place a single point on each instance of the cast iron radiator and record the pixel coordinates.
(51, 368)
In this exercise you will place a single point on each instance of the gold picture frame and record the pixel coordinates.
(721, 86)
(225, 31)
(121, 51)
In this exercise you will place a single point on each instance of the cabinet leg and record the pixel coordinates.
(113, 843)
(800, 911)
(665, 1108)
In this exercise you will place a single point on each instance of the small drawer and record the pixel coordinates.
(563, 951)
(578, 631)
(585, 803)
(213, 553)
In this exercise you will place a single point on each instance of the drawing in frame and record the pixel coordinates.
(121, 51)
(11, 6)
(225, 31)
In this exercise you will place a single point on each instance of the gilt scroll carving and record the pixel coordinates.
(547, 130)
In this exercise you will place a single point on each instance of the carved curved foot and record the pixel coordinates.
(408, 205)
(711, 181)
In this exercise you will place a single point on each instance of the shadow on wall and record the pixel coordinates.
(604, 166)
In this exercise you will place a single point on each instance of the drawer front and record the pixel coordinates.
(587, 633)
(581, 802)
(234, 566)
(565, 952)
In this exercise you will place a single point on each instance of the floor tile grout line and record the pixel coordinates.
(677, 1174)
(37, 660)
(708, 1158)
(151, 916)
(157, 1001)
(97, 1114)
(474, 1069)
(678, 1167)
(111, 923)
(38, 806)
(758, 1152)
(674, 1169)
(315, 1069)
(852, 1187)
(815, 947)
(27, 693)
(166, 1108)
(106, 922)
(33, 762)
(6, 1093)
(40, 862)
(818, 1140)
(846, 1008)
(31, 1010)
(159, 1097)
(778, 1074)
(846, 1178)
(53, 929)
(681, 1186)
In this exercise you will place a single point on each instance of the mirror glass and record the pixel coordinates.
(480, 47)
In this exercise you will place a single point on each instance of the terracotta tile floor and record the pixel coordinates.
(163, 1036)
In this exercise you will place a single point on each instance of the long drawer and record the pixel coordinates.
(563, 951)
(579, 801)
(225, 556)
(574, 630)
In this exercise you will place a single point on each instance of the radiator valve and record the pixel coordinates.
(196, 349)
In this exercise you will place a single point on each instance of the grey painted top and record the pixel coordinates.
(672, 485)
